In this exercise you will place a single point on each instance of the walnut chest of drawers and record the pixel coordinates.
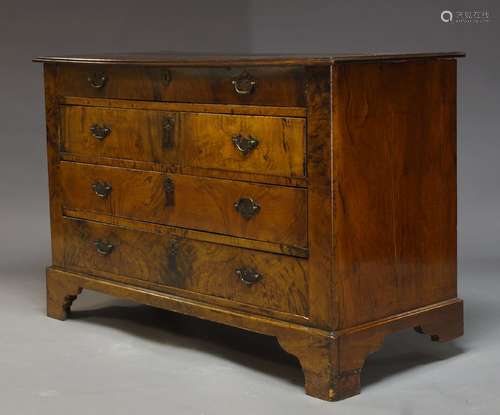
(308, 198)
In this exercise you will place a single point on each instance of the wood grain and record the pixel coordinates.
(188, 264)
(53, 162)
(135, 134)
(275, 86)
(197, 140)
(189, 233)
(58, 278)
(319, 196)
(61, 292)
(395, 169)
(192, 235)
(199, 203)
(174, 59)
(207, 143)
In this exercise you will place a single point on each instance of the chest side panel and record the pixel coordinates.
(395, 186)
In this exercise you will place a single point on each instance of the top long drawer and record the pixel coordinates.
(276, 86)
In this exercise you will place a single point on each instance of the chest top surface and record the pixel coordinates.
(195, 59)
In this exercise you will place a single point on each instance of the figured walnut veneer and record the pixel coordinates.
(308, 198)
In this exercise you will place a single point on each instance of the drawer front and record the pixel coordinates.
(250, 144)
(139, 135)
(276, 86)
(261, 212)
(266, 280)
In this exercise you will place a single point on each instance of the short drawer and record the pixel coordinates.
(139, 135)
(261, 212)
(251, 144)
(266, 280)
(275, 86)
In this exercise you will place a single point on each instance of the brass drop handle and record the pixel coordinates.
(102, 189)
(247, 275)
(168, 132)
(103, 247)
(100, 132)
(244, 84)
(245, 144)
(247, 207)
(97, 80)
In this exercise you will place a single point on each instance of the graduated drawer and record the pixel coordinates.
(261, 212)
(266, 280)
(277, 86)
(241, 143)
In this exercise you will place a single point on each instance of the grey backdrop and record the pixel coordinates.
(46, 365)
